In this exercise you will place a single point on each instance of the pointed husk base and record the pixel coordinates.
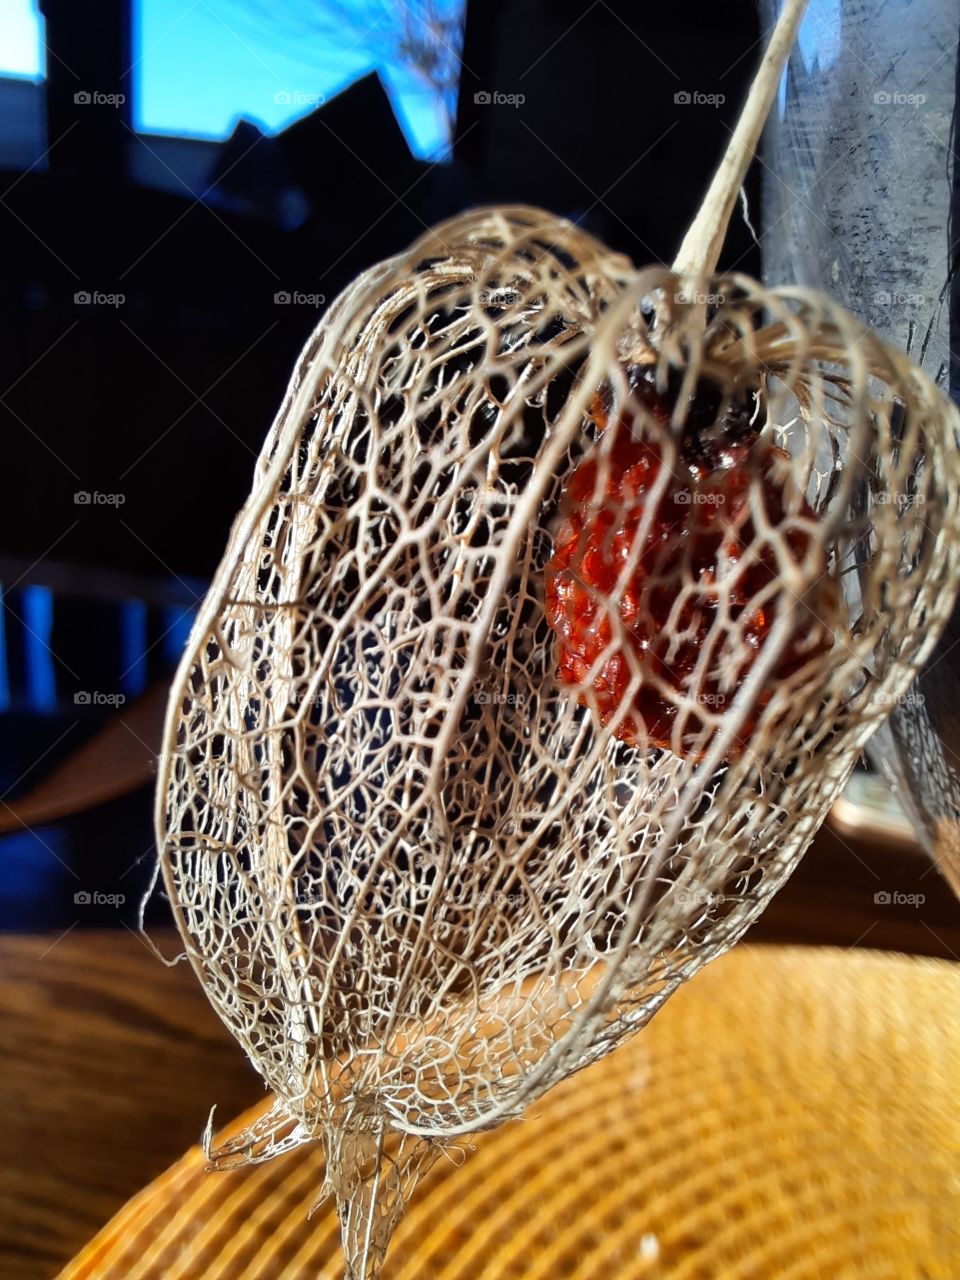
(372, 1172)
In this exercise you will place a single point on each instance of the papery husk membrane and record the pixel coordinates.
(419, 882)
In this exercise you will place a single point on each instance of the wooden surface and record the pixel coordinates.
(111, 1061)
(831, 899)
(110, 1064)
(790, 1114)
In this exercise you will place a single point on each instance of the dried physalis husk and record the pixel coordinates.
(425, 866)
(419, 880)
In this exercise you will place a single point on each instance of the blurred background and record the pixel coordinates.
(185, 185)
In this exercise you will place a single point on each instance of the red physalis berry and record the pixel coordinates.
(688, 602)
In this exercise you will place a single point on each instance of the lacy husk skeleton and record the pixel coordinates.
(419, 882)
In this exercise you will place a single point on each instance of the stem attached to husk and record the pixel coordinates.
(372, 1173)
(700, 251)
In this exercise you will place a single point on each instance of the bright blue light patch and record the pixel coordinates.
(197, 73)
(420, 114)
(199, 68)
(818, 40)
(177, 622)
(22, 52)
(38, 619)
(133, 646)
(819, 35)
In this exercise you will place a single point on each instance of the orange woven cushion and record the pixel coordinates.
(790, 1114)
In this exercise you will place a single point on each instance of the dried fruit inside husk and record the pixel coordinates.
(663, 585)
